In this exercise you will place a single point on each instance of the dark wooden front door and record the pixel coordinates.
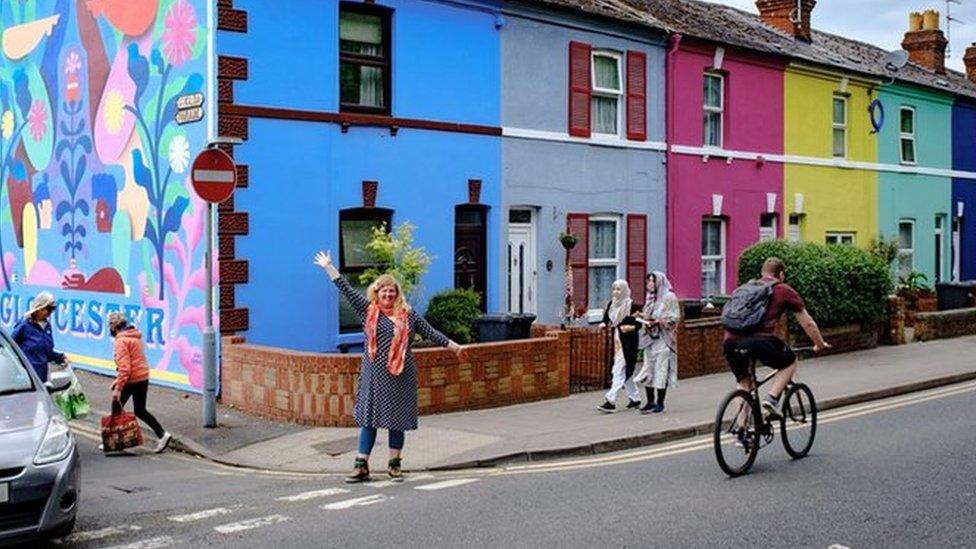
(470, 247)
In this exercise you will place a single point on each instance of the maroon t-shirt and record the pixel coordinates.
(784, 299)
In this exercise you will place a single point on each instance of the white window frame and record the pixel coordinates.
(596, 91)
(793, 231)
(956, 242)
(839, 238)
(720, 110)
(596, 315)
(772, 232)
(721, 258)
(839, 126)
(906, 251)
(903, 136)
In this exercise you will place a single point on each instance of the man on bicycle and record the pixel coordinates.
(764, 346)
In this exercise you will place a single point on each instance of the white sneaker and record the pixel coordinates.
(163, 443)
(772, 410)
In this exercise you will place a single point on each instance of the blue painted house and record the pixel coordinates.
(583, 152)
(963, 208)
(354, 114)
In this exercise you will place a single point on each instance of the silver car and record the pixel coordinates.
(39, 464)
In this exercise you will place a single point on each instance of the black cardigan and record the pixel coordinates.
(628, 340)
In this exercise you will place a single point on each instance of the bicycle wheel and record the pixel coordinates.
(735, 438)
(799, 423)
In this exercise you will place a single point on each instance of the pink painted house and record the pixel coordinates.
(725, 112)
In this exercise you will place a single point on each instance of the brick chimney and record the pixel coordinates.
(789, 16)
(924, 41)
(970, 60)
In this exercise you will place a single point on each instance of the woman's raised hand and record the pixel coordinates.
(324, 260)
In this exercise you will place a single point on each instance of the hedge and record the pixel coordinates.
(453, 313)
(840, 284)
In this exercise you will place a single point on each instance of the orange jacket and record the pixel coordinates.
(130, 358)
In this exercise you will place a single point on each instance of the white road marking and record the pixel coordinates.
(446, 484)
(92, 535)
(151, 543)
(251, 524)
(201, 515)
(355, 502)
(305, 496)
(838, 546)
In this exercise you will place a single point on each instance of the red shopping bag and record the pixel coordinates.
(120, 430)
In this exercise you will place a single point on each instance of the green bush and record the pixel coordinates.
(840, 284)
(453, 313)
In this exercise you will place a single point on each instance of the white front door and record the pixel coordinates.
(521, 264)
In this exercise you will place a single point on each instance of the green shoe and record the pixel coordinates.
(393, 470)
(360, 472)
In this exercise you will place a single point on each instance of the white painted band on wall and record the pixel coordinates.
(542, 135)
(815, 161)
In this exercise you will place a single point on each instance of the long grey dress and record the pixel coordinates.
(385, 401)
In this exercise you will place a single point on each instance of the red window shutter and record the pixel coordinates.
(636, 254)
(579, 258)
(636, 95)
(580, 89)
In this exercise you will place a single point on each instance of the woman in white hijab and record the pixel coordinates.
(658, 338)
(619, 315)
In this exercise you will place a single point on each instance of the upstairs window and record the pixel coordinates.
(714, 106)
(840, 239)
(606, 95)
(840, 126)
(364, 58)
(907, 135)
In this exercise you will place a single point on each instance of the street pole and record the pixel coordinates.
(209, 343)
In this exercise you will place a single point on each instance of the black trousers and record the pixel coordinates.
(138, 393)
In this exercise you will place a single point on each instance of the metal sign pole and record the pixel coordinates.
(209, 343)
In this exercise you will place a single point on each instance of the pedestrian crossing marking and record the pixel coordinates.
(251, 524)
(355, 502)
(201, 515)
(446, 484)
(305, 496)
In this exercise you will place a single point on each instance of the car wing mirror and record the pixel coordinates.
(57, 381)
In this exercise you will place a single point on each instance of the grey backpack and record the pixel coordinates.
(745, 311)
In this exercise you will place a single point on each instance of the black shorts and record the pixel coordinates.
(767, 349)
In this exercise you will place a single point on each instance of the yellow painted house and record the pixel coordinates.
(831, 182)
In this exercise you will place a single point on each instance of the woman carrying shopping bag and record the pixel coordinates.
(132, 378)
(659, 339)
(34, 335)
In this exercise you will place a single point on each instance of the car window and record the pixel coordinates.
(13, 373)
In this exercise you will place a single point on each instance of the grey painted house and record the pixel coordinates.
(583, 150)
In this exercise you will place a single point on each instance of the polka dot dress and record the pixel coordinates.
(385, 401)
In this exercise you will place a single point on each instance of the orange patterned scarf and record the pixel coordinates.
(401, 335)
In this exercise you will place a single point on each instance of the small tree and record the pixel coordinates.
(393, 253)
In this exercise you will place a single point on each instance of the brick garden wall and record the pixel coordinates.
(319, 389)
(955, 323)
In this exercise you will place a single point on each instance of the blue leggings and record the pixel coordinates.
(367, 438)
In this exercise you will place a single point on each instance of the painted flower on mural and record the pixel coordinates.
(36, 120)
(114, 111)
(180, 34)
(179, 154)
(72, 63)
(7, 125)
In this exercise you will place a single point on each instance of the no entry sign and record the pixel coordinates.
(214, 175)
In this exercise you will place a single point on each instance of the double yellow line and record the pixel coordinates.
(656, 452)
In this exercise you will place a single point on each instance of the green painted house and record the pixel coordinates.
(915, 180)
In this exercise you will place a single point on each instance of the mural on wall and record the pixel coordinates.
(95, 203)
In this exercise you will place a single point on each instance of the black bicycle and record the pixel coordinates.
(741, 429)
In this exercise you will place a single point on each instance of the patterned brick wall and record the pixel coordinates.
(955, 323)
(319, 389)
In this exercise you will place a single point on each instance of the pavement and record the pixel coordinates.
(537, 431)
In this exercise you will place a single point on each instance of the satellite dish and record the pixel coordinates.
(896, 60)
